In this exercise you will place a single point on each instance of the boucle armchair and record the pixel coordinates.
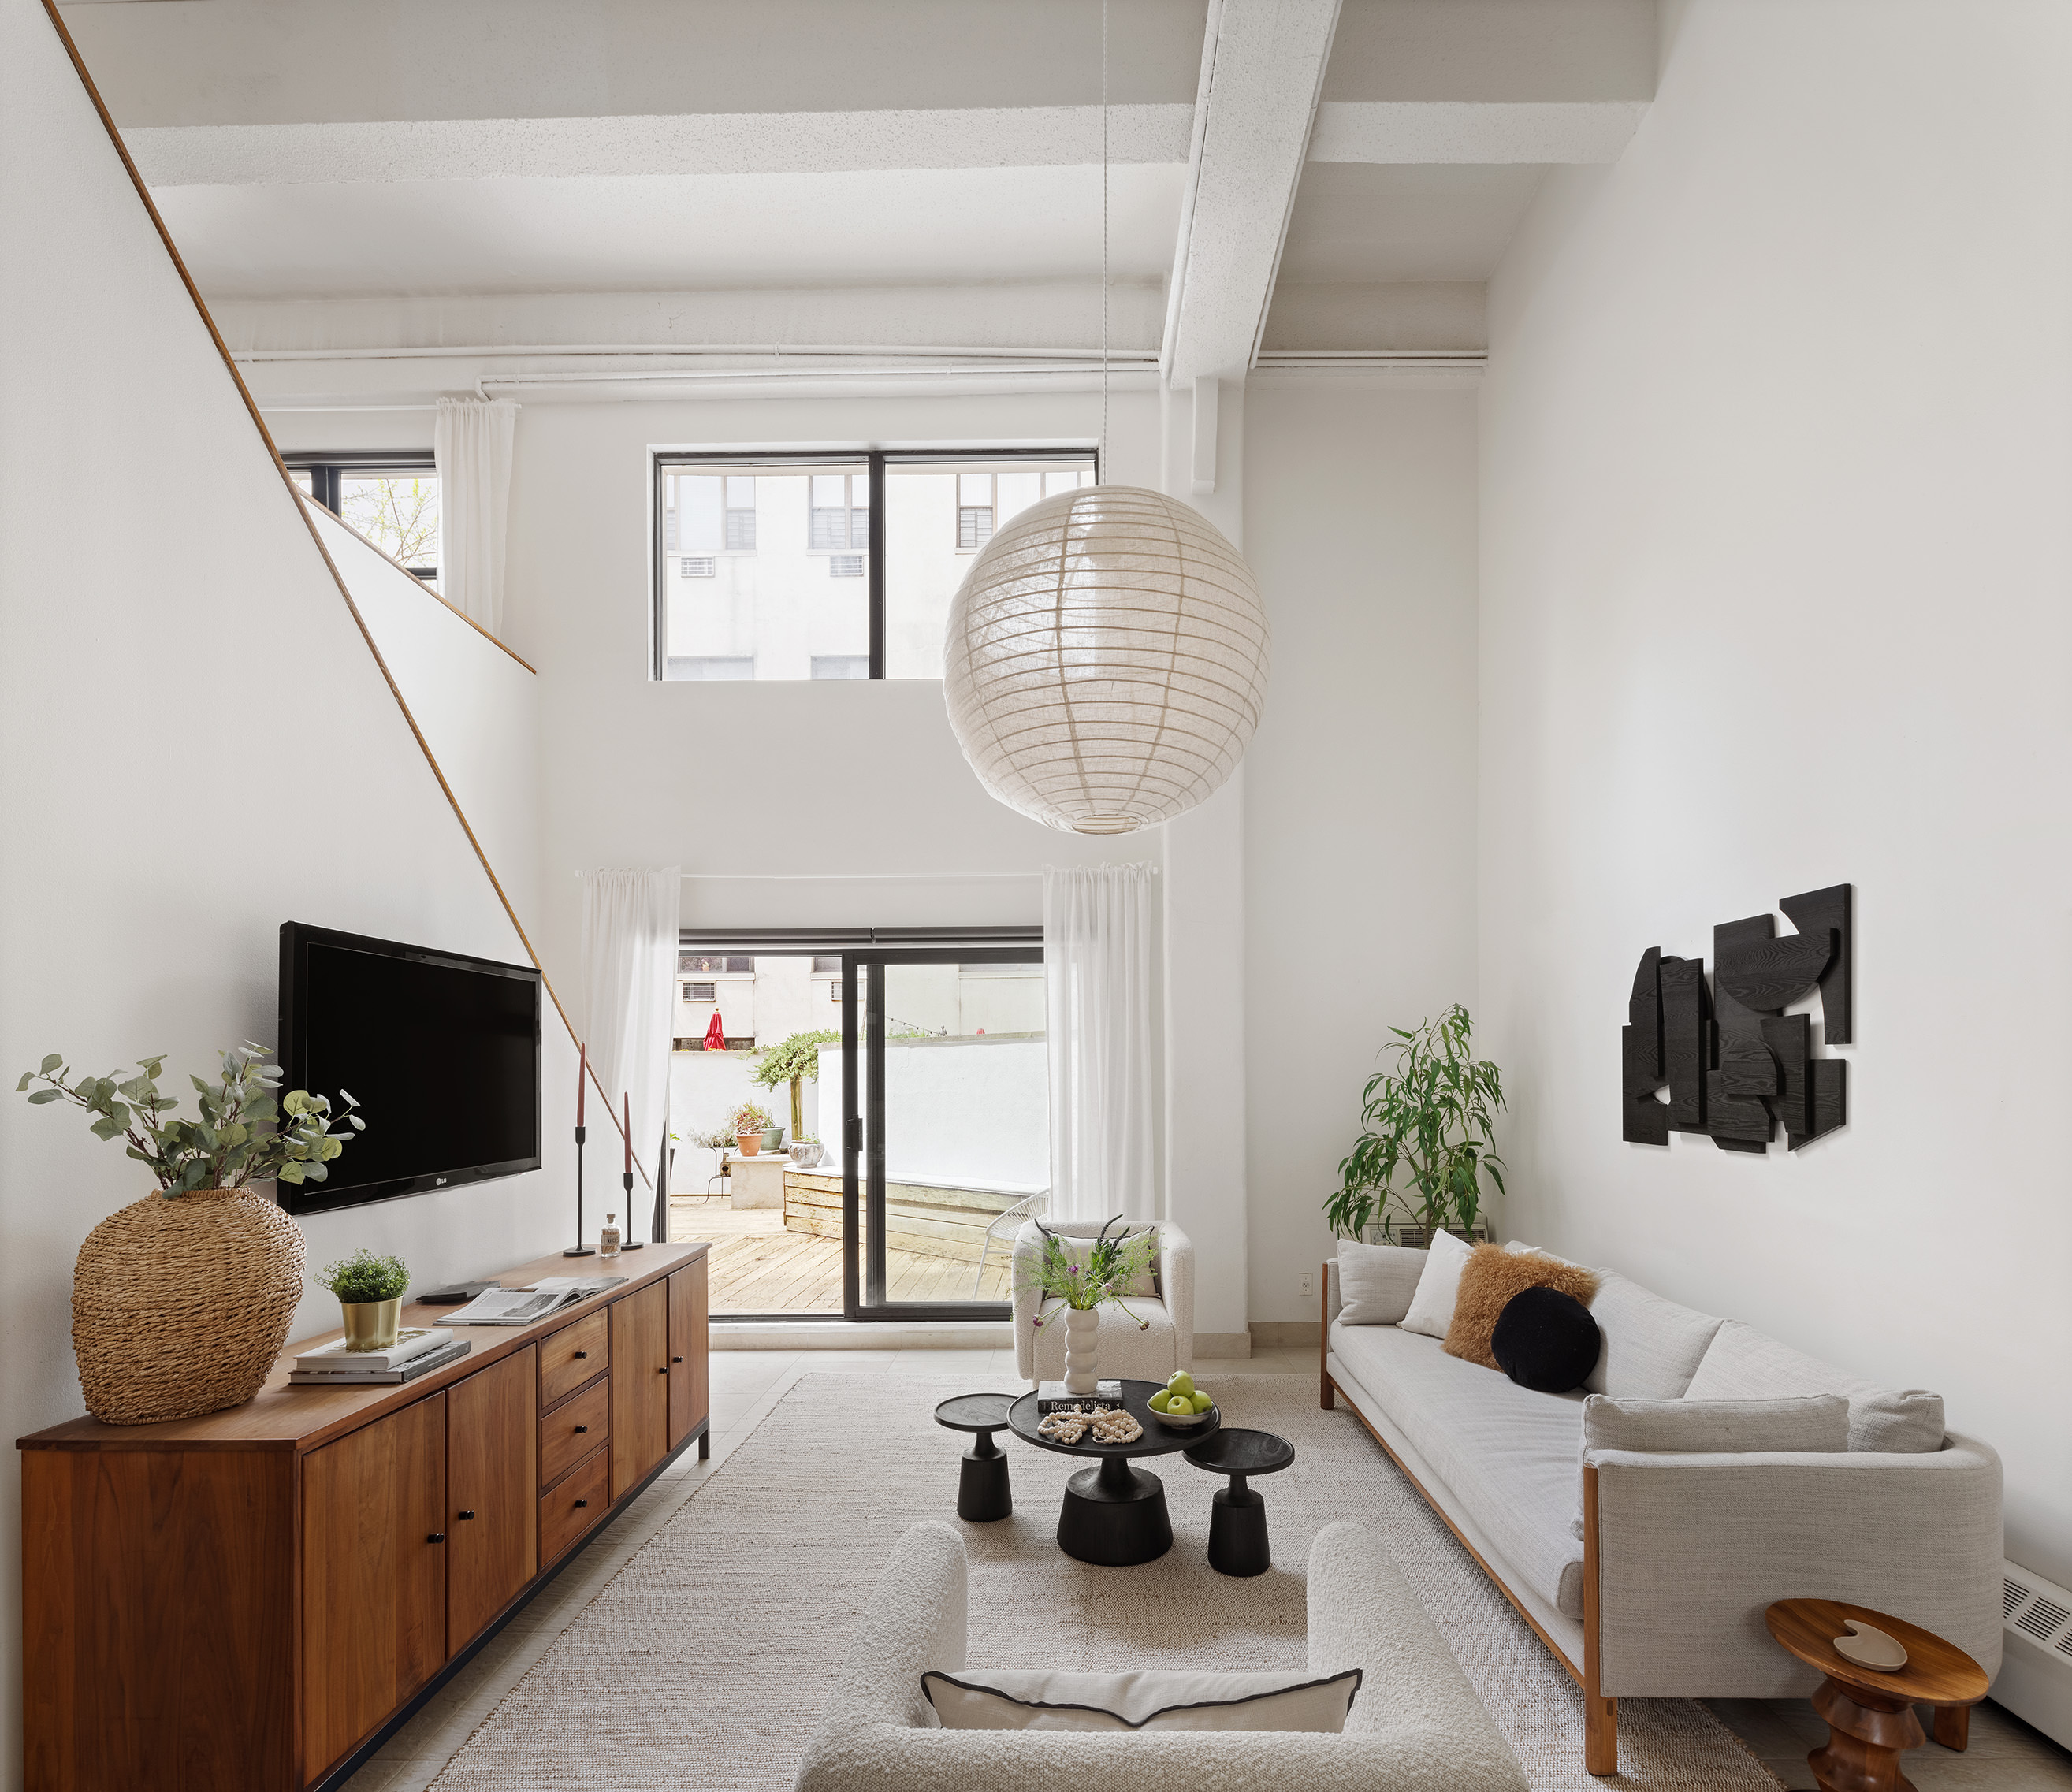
(1125, 1349)
(1417, 1725)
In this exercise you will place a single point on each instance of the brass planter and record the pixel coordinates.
(371, 1325)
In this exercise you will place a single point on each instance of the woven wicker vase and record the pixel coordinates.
(180, 1307)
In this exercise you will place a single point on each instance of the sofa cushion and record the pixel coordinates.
(1376, 1282)
(1506, 1454)
(1743, 1363)
(1431, 1307)
(1139, 1699)
(1545, 1340)
(1652, 1346)
(1491, 1278)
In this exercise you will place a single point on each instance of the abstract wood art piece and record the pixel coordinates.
(1735, 1065)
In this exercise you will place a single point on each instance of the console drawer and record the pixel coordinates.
(574, 1504)
(572, 1430)
(573, 1354)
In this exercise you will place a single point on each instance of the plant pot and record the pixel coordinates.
(750, 1143)
(371, 1325)
(1082, 1349)
(808, 1157)
(773, 1138)
(180, 1307)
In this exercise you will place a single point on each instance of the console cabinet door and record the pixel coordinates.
(492, 1492)
(374, 1581)
(690, 1377)
(640, 1386)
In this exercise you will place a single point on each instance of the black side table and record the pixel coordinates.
(982, 1493)
(1237, 1526)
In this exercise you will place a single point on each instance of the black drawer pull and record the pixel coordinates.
(675, 1359)
(436, 1537)
(581, 1429)
(579, 1354)
(663, 1369)
(464, 1515)
(582, 1502)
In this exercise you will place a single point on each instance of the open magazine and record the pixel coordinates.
(520, 1306)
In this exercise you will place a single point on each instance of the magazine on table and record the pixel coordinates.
(522, 1306)
(339, 1355)
(351, 1373)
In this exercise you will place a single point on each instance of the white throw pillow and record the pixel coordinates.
(1144, 1699)
(1376, 1282)
(1431, 1307)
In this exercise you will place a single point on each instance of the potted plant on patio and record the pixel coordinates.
(1425, 1140)
(749, 1124)
(795, 1061)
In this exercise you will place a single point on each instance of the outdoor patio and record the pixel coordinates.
(757, 1266)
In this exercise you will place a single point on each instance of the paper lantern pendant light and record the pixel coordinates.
(1106, 660)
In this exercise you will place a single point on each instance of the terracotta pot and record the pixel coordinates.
(180, 1306)
(750, 1143)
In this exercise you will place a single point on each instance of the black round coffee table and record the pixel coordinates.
(1113, 1515)
(1237, 1526)
(982, 1493)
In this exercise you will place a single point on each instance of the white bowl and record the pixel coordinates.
(1187, 1423)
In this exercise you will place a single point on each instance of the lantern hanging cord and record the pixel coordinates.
(1101, 470)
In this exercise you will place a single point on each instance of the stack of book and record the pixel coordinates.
(413, 1354)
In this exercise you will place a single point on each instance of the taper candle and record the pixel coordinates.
(629, 1134)
(583, 1076)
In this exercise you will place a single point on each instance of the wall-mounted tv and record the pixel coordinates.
(442, 1051)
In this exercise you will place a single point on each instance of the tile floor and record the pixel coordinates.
(2005, 1755)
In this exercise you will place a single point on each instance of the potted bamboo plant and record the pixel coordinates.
(1425, 1139)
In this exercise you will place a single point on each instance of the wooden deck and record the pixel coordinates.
(756, 1266)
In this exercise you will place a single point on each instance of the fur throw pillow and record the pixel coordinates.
(1491, 1277)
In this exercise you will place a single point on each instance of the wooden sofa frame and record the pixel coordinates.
(1600, 1713)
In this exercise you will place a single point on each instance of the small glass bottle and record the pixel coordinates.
(607, 1240)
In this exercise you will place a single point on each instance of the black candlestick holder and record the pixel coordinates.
(579, 1249)
(631, 1243)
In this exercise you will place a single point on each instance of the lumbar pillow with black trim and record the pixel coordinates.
(1144, 1699)
(1546, 1340)
(1491, 1280)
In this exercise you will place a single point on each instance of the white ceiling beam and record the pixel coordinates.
(1263, 66)
(708, 143)
(1475, 131)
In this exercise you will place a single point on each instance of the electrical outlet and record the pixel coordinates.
(1307, 1280)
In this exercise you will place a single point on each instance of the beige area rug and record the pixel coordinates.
(704, 1661)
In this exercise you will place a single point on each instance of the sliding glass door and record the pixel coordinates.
(946, 1126)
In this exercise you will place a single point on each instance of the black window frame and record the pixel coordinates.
(663, 462)
(327, 471)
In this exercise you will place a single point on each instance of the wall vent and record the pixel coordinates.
(2035, 1679)
(700, 566)
(700, 993)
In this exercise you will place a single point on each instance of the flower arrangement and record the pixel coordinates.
(243, 1135)
(1111, 1265)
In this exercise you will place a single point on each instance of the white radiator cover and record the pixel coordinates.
(2035, 1679)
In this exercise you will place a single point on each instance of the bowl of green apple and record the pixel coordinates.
(1180, 1404)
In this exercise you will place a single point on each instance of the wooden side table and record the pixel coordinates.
(1870, 1714)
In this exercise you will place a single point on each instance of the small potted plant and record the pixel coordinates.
(807, 1151)
(749, 1123)
(370, 1294)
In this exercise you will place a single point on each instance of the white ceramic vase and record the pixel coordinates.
(1082, 1349)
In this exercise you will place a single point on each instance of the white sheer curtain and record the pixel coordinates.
(631, 926)
(471, 447)
(1097, 980)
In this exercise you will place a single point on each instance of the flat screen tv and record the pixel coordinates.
(442, 1051)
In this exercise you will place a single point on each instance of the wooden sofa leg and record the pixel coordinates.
(1600, 1734)
(1325, 1390)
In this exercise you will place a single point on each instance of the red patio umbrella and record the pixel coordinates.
(715, 1035)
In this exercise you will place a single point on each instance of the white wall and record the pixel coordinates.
(185, 760)
(1360, 788)
(1776, 454)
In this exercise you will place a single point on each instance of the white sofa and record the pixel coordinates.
(1647, 1574)
(1126, 1350)
(1417, 1725)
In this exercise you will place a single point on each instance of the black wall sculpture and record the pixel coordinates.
(1735, 1064)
